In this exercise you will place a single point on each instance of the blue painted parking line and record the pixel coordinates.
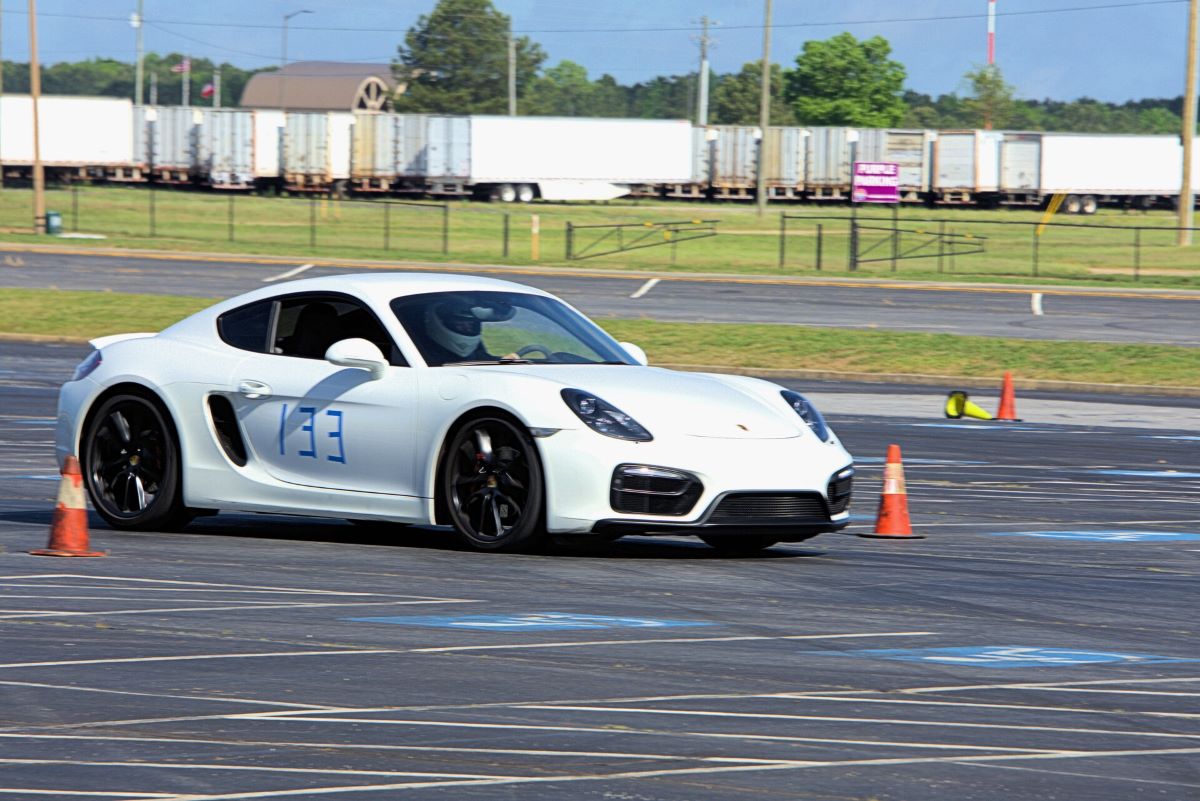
(1104, 536)
(529, 621)
(1005, 656)
(1147, 473)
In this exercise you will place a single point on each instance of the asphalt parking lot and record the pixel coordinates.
(1040, 642)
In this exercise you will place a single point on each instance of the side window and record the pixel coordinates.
(307, 326)
(248, 327)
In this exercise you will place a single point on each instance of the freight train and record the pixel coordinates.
(556, 158)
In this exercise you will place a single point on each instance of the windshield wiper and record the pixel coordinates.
(488, 361)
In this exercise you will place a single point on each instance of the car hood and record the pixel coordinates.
(666, 401)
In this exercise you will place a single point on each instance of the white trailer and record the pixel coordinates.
(1110, 168)
(564, 158)
(90, 136)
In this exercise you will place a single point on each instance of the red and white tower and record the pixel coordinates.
(991, 32)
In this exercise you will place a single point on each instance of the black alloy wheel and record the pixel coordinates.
(492, 483)
(738, 545)
(131, 465)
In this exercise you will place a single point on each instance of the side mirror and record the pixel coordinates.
(637, 353)
(359, 353)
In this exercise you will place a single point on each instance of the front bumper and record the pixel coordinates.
(579, 465)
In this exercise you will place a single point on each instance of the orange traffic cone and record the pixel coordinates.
(892, 521)
(68, 529)
(1008, 401)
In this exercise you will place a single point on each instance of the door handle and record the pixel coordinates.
(252, 389)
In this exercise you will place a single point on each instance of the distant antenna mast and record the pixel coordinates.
(991, 33)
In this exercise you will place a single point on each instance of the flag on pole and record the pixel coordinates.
(183, 66)
(208, 90)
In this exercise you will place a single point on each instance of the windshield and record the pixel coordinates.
(502, 327)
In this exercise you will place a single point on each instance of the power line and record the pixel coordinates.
(653, 29)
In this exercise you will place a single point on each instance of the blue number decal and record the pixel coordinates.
(310, 427)
(282, 421)
(341, 457)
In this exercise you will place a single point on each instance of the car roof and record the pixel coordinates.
(377, 288)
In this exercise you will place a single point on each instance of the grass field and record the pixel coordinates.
(83, 315)
(1080, 252)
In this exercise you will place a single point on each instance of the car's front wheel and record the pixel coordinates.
(491, 479)
(131, 464)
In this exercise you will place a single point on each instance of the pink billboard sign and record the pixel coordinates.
(876, 182)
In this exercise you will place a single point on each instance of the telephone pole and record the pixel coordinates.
(139, 69)
(1186, 197)
(764, 111)
(35, 91)
(512, 74)
(702, 84)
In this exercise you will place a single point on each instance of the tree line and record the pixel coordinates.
(455, 60)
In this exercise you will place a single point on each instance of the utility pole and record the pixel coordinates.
(139, 69)
(217, 88)
(764, 111)
(35, 91)
(1186, 197)
(702, 84)
(512, 73)
(186, 77)
(154, 88)
(991, 50)
(283, 57)
(1, 76)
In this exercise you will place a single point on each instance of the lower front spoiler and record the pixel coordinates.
(788, 531)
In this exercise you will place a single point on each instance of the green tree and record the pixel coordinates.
(563, 90)
(735, 97)
(844, 81)
(663, 98)
(455, 60)
(991, 103)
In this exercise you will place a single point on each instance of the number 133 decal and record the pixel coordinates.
(330, 422)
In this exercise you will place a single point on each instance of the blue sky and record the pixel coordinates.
(1113, 50)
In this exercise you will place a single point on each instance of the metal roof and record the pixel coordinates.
(321, 86)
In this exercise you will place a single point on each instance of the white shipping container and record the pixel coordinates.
(967, 161)
(620, 151)
(73, 131)
(317, 145)
(225, 147)
(1020, 162)
(268, 143)
(1093, 164)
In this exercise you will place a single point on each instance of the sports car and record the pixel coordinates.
(424, 399)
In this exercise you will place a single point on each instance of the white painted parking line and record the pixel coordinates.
(607, 777)
(950, 724)
(195, 657)
(744, 638)
(631, 732)
(1013, 707)
(644, 288)
(26, 613)
(251, 768)
(219, 585)
(14, 791)
(289, 273)
(1035, 304)
(214, 698)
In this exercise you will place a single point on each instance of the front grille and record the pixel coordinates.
(838, 493)
(770, 507)
(645, 490)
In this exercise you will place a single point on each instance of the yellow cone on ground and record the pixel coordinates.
(958, 405)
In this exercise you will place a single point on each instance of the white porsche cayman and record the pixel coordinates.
(441, 399)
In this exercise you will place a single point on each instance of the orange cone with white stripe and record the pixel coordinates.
(892, 521)
(68, 529)
(1008, 401)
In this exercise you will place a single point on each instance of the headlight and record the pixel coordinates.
(604, 418)
(87, 366)
(808, 413)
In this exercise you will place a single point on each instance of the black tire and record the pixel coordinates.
(1088, 205)
(130, 463)
(491, 480)
(738, 545)
(1072, 204)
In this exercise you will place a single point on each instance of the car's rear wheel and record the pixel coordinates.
(131, 464)
(492, 483)
(738, 545)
